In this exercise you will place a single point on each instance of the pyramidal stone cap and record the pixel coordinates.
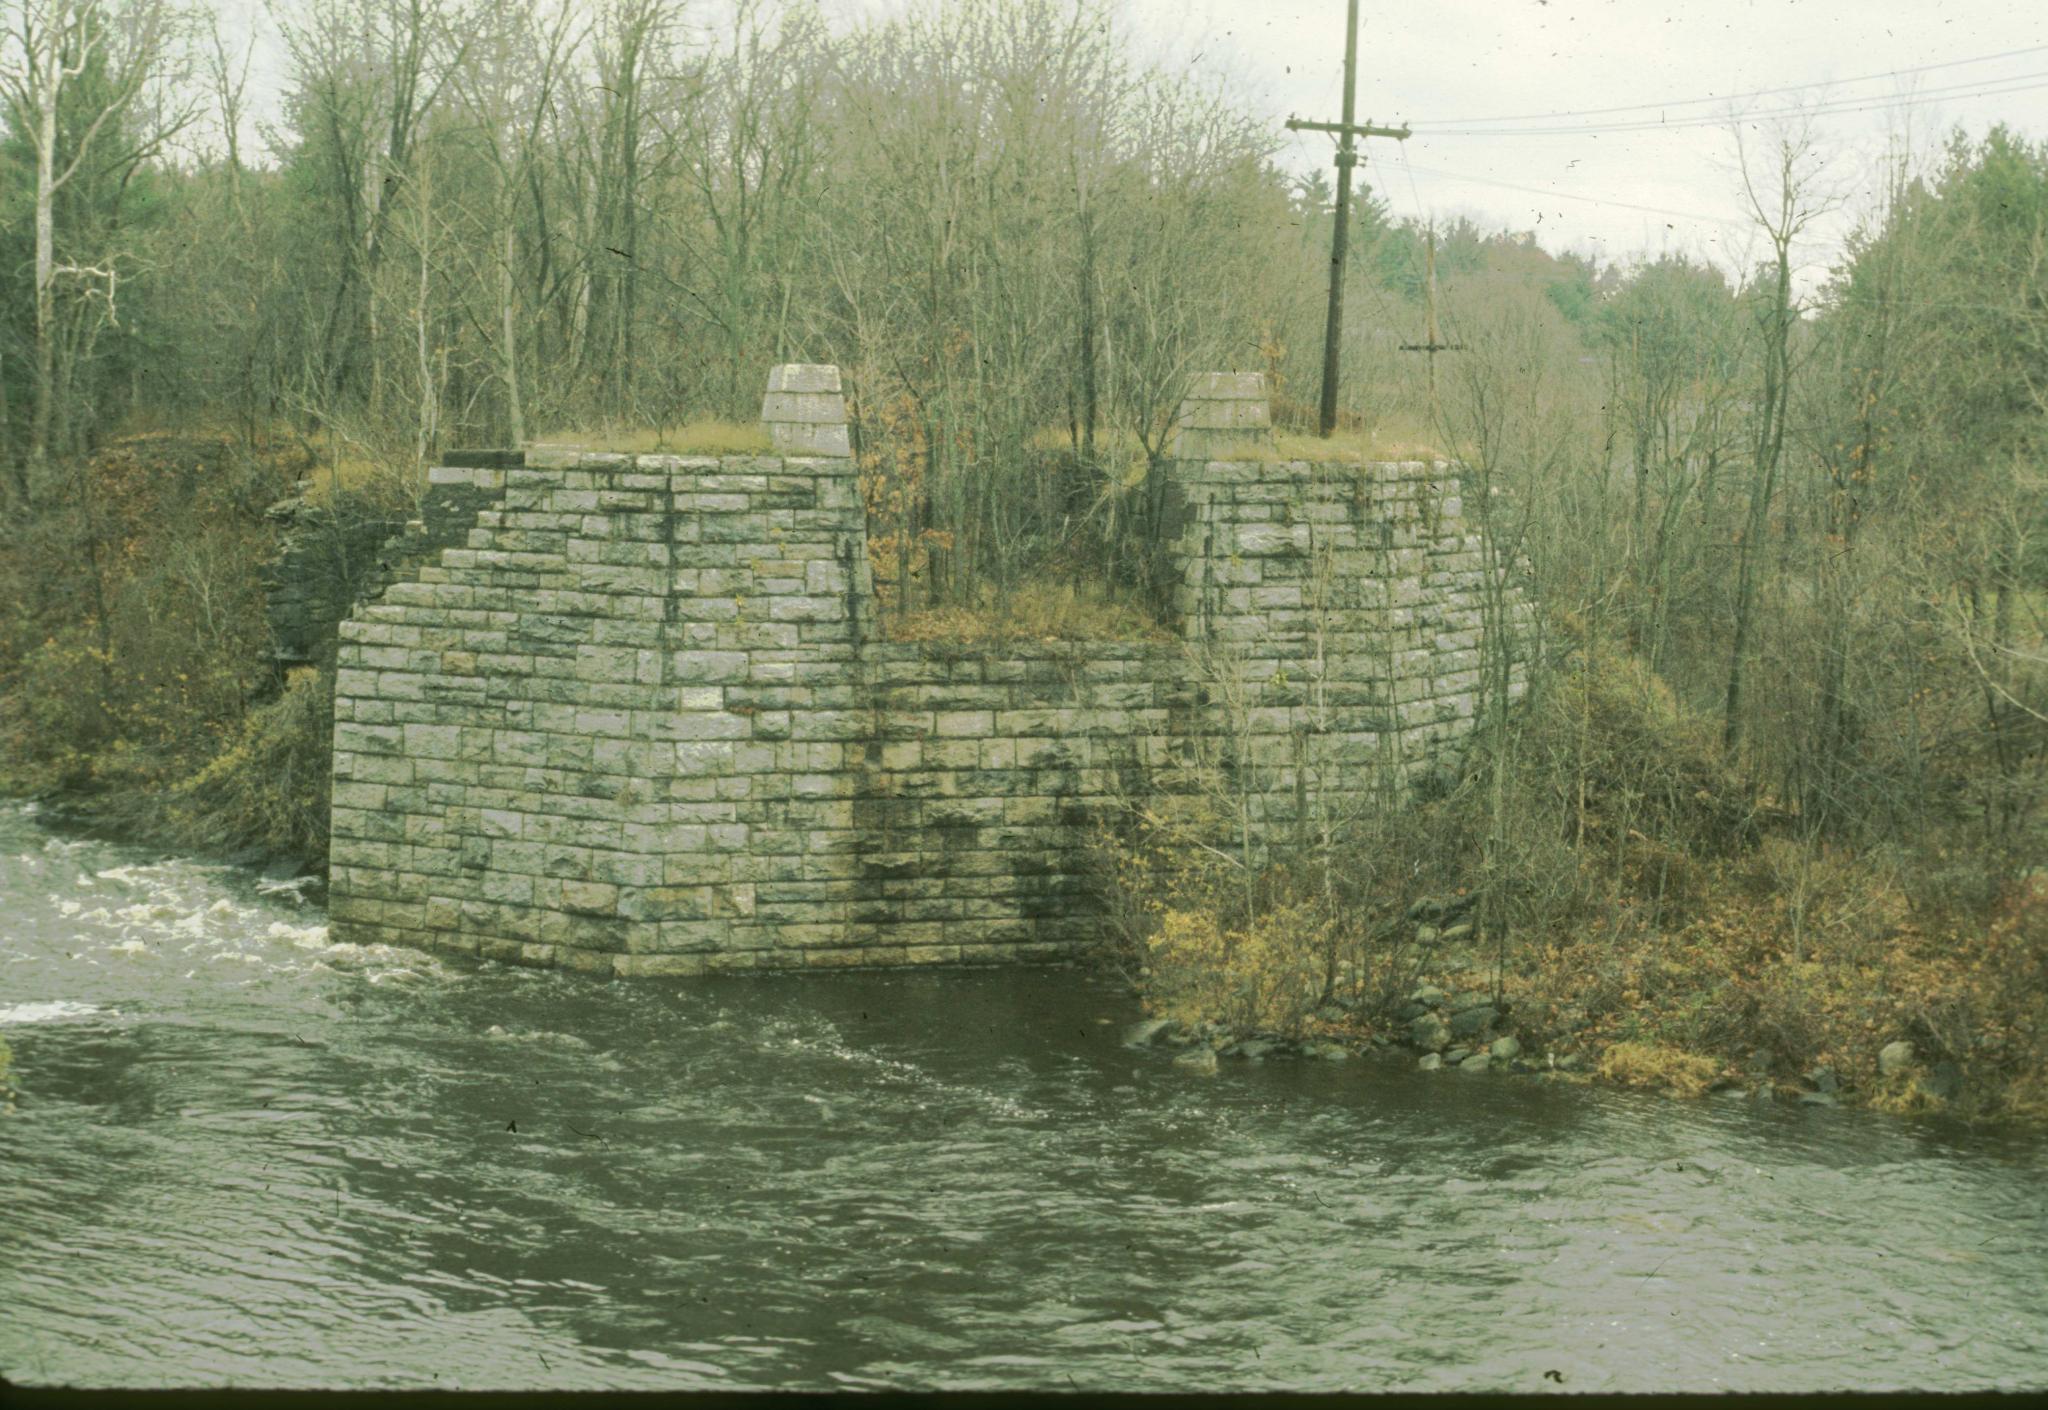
(804, 410)
(1224, 414)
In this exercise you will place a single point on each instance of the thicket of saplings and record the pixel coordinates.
(1778, 782)
(1775, 799)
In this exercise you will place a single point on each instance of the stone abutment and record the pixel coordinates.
(638, 721)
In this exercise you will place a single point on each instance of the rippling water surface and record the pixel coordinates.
(243, 1155)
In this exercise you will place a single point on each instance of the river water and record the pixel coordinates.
(243, 1155)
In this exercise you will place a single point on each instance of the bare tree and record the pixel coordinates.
(106, 53)
(1784, 199)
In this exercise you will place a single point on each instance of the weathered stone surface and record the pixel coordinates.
(804, 377)
(1429, 1032)
(1471, 1023)
(627, 713)
(1894, 1058)
(805, 415)
(1224, 414)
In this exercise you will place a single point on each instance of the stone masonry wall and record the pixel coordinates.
(638, 725)
(327, 562)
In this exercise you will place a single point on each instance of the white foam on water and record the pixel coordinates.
(294, 888)
(499, 1033)
(833, 1044)
(306, 937)
(50, 1011)
(185, 912)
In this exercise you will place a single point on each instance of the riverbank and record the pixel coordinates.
(1473, 1033)
(1628, 900)
(1614, 899)
(139, 698)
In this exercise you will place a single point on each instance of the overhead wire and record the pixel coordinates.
(1666, 104)
(2019, 83)
(1567, 196)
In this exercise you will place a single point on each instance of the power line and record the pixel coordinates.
(2018, 83)
(1731, 97)
(1567, 196)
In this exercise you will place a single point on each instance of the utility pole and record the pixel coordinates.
(1347, 158)
(1436, 344)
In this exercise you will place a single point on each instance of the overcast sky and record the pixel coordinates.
(1441, 61)
(1434, 63)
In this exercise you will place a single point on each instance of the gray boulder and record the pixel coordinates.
(1478, 1062)
(1471, 1023)
(1430, 1062)
(1894, 1058)
(1505, 1049)
(1146, 1032)
(1197, 1060)
(1429, 1033)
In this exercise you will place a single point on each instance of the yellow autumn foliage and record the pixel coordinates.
(1263, 976)
(1659, 1066)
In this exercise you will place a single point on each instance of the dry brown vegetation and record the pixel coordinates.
(135, 679)
(700, 436)
(1088, 610)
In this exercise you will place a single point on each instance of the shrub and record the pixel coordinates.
(1632, 763)
(1263, 976)
(1668, 1069)
(269, 785)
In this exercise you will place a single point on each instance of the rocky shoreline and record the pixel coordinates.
(1460, 1016)
(1439, 1029)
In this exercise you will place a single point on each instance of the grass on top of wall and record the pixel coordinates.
(703, 437)
(1391, 439)
(1353, 447)
(1082, 609)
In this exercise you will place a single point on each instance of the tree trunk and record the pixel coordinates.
(515, 414)
(46, 258)
(1770, 444)
(1090, 383)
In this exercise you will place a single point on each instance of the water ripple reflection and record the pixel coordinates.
(245, 1155)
